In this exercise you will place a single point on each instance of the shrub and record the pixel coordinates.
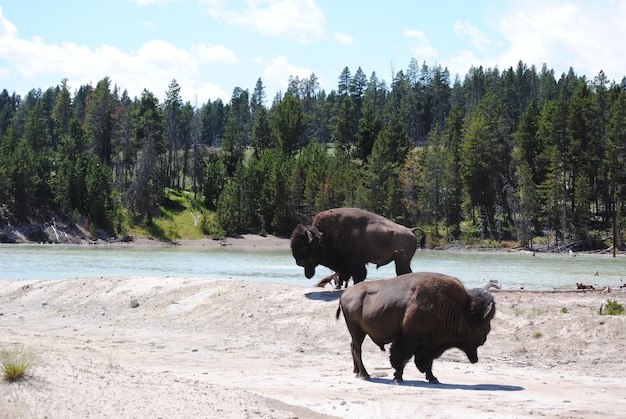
(210, 226)
(612, 308)
(16, 362)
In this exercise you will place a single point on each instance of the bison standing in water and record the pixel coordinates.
(346, 239)
(421, 314)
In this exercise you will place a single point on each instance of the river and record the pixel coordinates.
(512, 270)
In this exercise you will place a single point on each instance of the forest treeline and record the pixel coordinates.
(515, 154)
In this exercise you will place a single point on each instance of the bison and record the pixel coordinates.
(421, 314)
(346, 239)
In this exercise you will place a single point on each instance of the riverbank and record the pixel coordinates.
(61, 232)
(194, 347)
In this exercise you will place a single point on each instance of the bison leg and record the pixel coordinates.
(342, 278)
(358, 336)
(403, 264)
(424, 363)
(399, 354)
(426, 366)
(359, 273)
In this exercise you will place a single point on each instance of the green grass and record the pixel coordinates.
(15, 363)
(180, 218)
(613, 308)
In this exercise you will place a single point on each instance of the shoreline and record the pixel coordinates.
(243, 240)
(64, 233)
(271, 241)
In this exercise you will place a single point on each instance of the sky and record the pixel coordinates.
(211, 47)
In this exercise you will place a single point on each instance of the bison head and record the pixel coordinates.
(482, 310)
(305, 247)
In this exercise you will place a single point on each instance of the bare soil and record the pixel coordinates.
(216, 348)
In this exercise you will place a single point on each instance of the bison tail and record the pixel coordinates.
(423, 239)
(338, 312)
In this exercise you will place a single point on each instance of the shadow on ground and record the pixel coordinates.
(323, 295)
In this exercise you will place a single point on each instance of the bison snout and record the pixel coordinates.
(309, 272)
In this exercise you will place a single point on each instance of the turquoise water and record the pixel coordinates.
(512, 270)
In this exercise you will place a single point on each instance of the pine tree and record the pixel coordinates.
(486, 159)
(615, 159)
(99, 120)
(150, 179)
(381, 178)
(288, 124)
(369, 128)
(172, 112)
(343, 86)
(345, 126)
(37, 138)
(261, 132)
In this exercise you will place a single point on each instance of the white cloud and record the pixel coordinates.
(561, 34)
(198, 95)
(420, 46)
(415, 34)
(300, 20)
(6, 27)
(461, 63)
(585, 36)
(214, 54)
(545, 35)
(277, 72)
(477, 39)
(152, 66)
(343, 39)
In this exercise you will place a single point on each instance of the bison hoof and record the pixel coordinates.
(433, 381)
(363, 376)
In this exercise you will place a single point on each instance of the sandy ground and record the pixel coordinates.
(218, 348)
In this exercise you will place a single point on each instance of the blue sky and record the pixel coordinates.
(212, 46)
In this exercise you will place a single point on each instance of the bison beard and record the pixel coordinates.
(346, 239)
(421, 315)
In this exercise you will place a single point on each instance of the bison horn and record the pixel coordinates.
(309, 235)
(488, 310)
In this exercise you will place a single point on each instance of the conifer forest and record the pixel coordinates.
(501, 155)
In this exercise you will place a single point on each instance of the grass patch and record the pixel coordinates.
(16, 362)
(612, 308)
(180, 216)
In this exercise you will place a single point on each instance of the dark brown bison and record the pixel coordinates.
(346, 239)
(421, 314)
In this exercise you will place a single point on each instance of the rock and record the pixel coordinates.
(134, 303)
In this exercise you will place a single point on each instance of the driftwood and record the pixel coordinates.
(334, 278)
